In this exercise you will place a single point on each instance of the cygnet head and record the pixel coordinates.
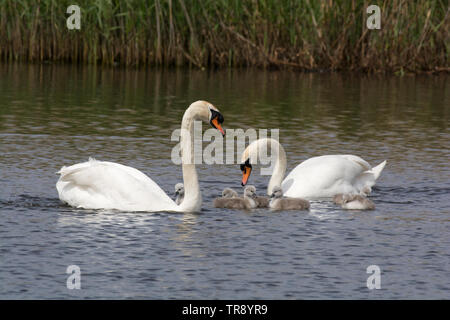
(250, 191)
(277, 192)
(229, 193)
(179, 189)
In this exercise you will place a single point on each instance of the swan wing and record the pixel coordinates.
(324, 176)
(107, 185)
(357, 160)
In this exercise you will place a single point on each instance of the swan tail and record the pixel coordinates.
(61, 170)
(77, 181)
(377, 170)
(91, 175)
(366, 180)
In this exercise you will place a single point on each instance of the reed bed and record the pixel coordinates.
(304, 35)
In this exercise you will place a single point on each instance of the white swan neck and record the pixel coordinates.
(192, 196)
(279, 169)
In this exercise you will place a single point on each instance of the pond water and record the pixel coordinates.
(52, 116)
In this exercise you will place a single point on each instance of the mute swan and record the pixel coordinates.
(229, 193)
(179, 193)
(247, 202)
(107, 185)
(353, 202)
(261, 202)
(280, 203)
(323, 176)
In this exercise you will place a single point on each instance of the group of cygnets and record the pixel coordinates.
(231, 200)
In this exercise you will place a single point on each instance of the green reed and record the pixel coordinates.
(304, 35)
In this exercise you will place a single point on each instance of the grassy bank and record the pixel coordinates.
(304, 35)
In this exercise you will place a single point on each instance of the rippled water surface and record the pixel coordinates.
(52, 116)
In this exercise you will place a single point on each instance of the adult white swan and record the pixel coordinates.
(107, 185)
(323, 176)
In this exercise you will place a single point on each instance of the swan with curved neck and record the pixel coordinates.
(108, 185)
(323, 176)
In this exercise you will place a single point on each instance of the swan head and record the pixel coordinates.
(211, 114)
(205, 111)
(179, 189)
(216, 119)
(250, 191)
(249, 156)
(252, 153)
(246, 169)
(277, 192)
